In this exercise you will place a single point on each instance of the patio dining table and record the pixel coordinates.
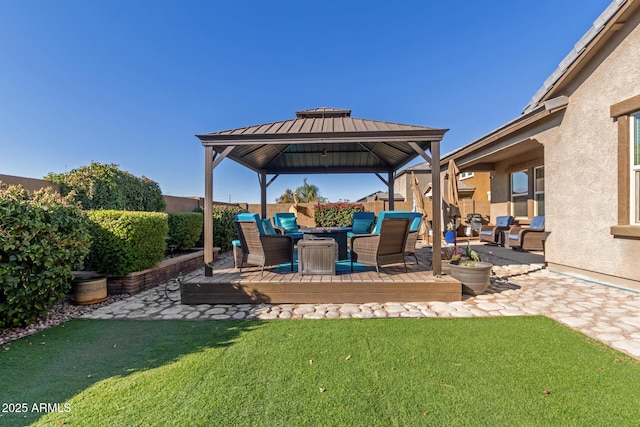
(339, 234)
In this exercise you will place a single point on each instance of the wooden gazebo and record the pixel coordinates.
(322, 141)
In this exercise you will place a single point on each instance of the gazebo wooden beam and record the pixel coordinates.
(211, 160)
(436, 207)
(436, 201)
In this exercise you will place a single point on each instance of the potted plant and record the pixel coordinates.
(472, 272)
(450, 255)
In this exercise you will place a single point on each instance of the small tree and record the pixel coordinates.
(308, 193)
(101, 186)
(287, 197)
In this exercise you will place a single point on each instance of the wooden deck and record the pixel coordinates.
(228, 285)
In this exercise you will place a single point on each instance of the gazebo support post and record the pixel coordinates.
(262, 177)
(208, 211)
(436, 207)
(391, 192)
(264, 184)
(436, 200)
(211, 160)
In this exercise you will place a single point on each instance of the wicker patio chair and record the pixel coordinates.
(412, 236)
(287, 223)
(362, 223)
(387, 247)
(491, 233)
(263, 250)
(528, 238)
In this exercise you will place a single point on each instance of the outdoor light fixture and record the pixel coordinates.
(324, 152)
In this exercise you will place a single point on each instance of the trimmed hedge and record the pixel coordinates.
(42, 238)
(124, 242)
(185, 229)
(101, 186)
(336, 214)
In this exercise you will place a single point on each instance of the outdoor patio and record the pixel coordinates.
(279, 286)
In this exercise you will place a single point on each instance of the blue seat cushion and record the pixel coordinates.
(361, 226)
(289, 224)
(486, 232)
(504, 221)
(537, 223)
(268, 227)
(390, 214)
(249, 216)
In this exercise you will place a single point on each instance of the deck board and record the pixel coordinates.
(230, 286)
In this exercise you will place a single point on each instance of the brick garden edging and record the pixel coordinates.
(139, 281)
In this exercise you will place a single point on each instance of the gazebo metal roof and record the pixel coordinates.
(321, 140)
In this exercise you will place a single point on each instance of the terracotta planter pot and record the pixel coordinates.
(475, 280)
(89, 288)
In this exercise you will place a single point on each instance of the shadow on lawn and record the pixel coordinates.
(56, 364)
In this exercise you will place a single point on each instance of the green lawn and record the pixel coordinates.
(484, 371)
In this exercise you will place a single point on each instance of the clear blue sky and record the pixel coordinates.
(131, 82)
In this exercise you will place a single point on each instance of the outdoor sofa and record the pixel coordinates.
(528, 238)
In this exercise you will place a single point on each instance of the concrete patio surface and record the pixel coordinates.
(521, 286)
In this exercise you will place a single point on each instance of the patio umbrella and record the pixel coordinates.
(451, 192)
(418, 201)
(452, 184)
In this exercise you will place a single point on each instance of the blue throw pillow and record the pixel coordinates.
(268, 228)
(361, 226)
(289, 224)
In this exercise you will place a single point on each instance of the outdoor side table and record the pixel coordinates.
(317, 256)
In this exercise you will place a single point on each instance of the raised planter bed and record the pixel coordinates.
(139, 281)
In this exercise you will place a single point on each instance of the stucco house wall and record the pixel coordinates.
(575, 127)
(402, 182)
(480, 181)
(582, 167)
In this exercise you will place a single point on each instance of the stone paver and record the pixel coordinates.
(605, 313)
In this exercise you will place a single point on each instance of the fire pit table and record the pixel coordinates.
(339, 234)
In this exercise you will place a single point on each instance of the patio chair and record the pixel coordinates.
(528, 238)
(412, 237)
(491, 233)
(386, 247)
(286, 221)
(414, 227)
(261, 249)
(362, 223)
(263, 228)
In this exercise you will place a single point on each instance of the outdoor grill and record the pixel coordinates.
(474, 223)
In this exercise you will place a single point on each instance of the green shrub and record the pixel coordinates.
(100, 186)
(336, 214)
(124, 242)
(42, 238)
(185, 229)
(224, 230)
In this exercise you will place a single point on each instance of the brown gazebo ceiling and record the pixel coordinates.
(323, 140)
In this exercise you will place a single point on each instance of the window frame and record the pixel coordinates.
(466, 175)
(525, 194)
(537, 191)
(623, 113)
(634, 169)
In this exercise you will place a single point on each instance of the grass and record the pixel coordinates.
(485, 371)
